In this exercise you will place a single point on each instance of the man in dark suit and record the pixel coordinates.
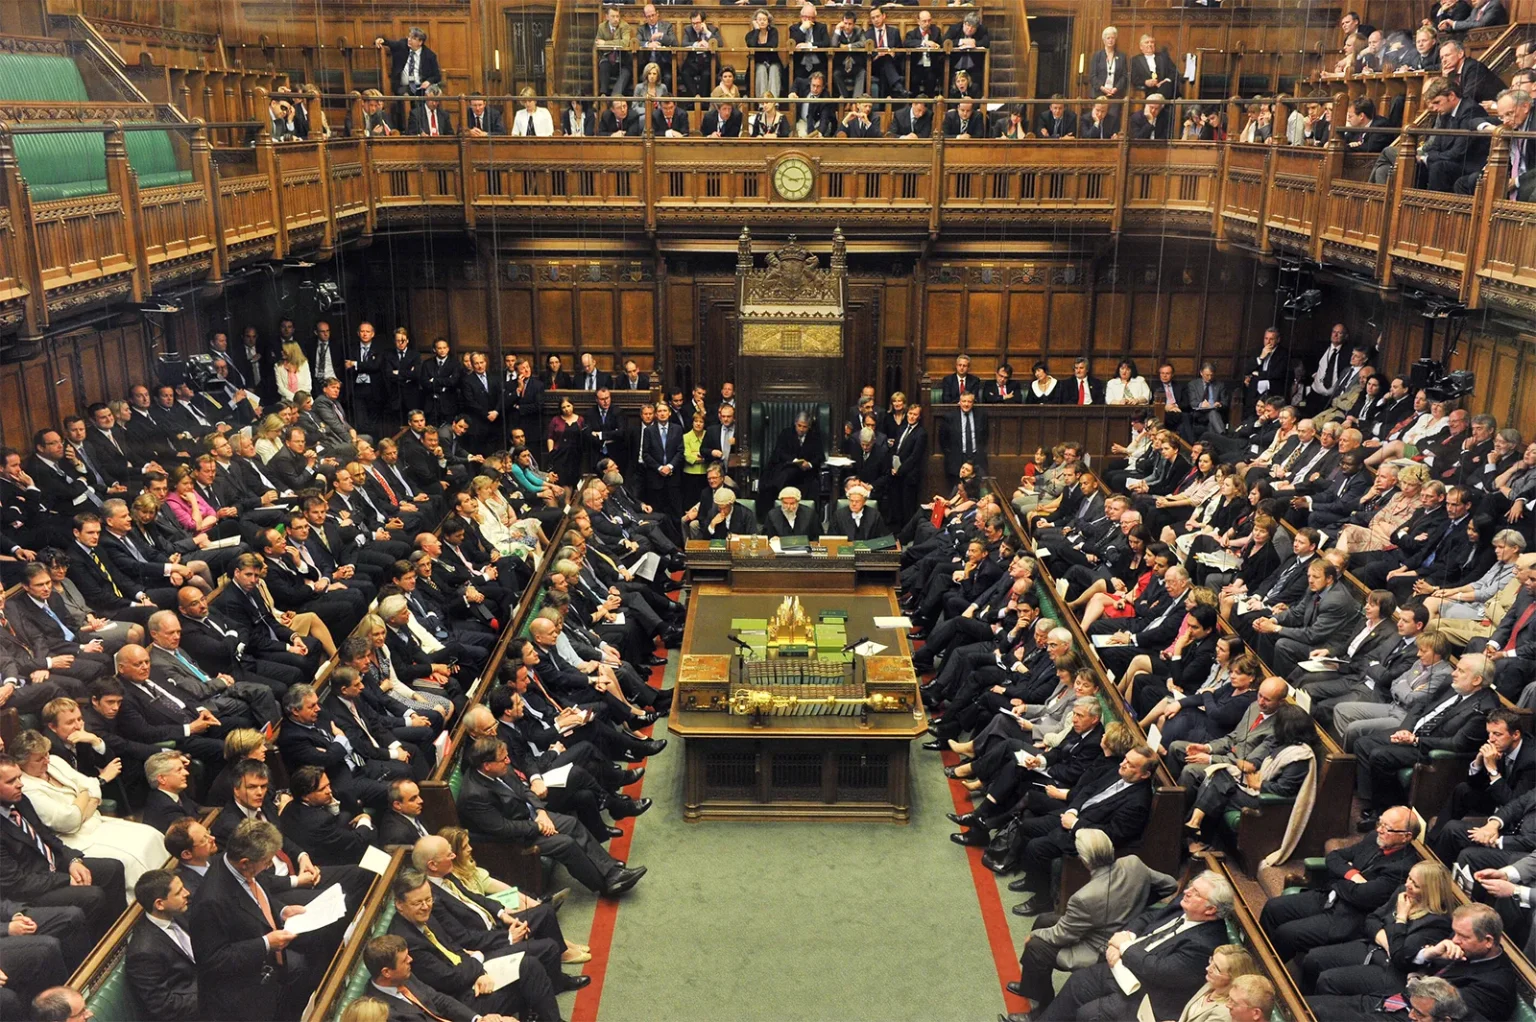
(483, 119)
(39, 949)
(1362, 115)
(1056, 121)
(1512, 646)
(909, 460)
(1453, 721)
(153, 713)
(661, 455)
(1503, 768)
(247, 966)
(412, 66)
(858, 521)
(633, 378)
(591, 377)
(40, 870)
(338, 838)
(495, 804)
(966, 120)
(193, 847)
(389, 962)
(963, 439)
(1163, 948)
(1152, 71)
(450, 957)
(402, 824)
(168, 799)
(1099, 123)
(1445, 161)
(160, 967)
(441, 382)
(913, 120)
(871, 463)
(480, 395)
(925, 67)
(308, 737)
(961, 381)
(372, 734)
(796, 458)
(605, 428)
(1360, 878)
(1154, 121)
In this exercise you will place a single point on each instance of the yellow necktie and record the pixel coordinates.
(453, 959)
(453, 891)
(115, 591)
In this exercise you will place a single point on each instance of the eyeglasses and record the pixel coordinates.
(1382, 828)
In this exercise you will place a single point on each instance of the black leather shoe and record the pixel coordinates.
(624, 808)
(575, 982)
(671, 585)
(654, 746)
(1039, 905)
(1022, 909)
(950, 772)
(614, 832)
(935, 746)
(628, 777)
(655, 661)
(1016, 990)
(998, 866)
(622, 881)
(964, 820)
(974, 838)
(1021, 885)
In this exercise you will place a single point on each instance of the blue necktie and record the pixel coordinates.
(69, 636)
(197, 672)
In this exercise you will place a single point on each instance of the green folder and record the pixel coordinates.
(718, 544)
(877, 543)
(794, 543)
(749, 624)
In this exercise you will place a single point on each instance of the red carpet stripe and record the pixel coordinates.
(993, 916)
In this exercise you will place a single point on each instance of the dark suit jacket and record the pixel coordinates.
(975, 126)
(870, 525)
(1460, 729)
(1048, 125)
(490, 810)
(394, 829)
(950, 439)
(1315, 619)
(490, 121)
(108, 592)
(24, 873)
(1144, 128)
(329, 840)
(163, 978)
(427, 67)
(1161, 68)
(227, 929)
(1123, 816)
(430, 965)
(417, 125)
(440, 1005)
(1171, 973)
(1107, 128)
(160, 810)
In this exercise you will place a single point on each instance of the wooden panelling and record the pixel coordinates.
(1027, 324)
(516, 318)
(556, 331)
(637, 322)
(944, 322)
(984, 326)
(1069, 323)
(72, 372)
(1109, 322)
(596, 329)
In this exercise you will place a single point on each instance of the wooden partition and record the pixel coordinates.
(1014, 431)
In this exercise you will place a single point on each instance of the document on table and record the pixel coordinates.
(646, 566)
(375, 859)
(557, 777)
(503, 970)
(869, 648)
(329, 907)
(1155, 739)
(903, 623)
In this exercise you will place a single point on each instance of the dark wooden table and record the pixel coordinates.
(791, 768)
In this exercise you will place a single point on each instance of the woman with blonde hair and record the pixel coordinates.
(240, 745)
(1227, 963)
(651, 86)
(381, 674)
(769, 119)
(366, 1009)
(293, 372)
(763, 47)
(267, 437)
(320, 125)
(69, 803)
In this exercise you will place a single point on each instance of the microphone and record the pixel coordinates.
(861, 640)
(739, 642)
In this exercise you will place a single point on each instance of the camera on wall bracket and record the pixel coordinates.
(1429, 373)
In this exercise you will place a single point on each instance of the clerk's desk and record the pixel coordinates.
(745, 564)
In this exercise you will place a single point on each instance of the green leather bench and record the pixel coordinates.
(358, 978)
(767, 419)
(113, 999)
(41, 76)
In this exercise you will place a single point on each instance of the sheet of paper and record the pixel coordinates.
(869, 648)
(557, 777)
(1126, 978)
(1021, 757)
(375, 859)
(646, 566)
(508, 898)
(1100, 641)
(1314, 666)
(503, 970)
(440, 743)
(1155, 738)
(616, 618)
(838, 461)
(329, 907)
(903, 623)
(1303, 698)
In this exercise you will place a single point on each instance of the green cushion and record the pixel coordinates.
(39, 76)
(1523, 1011)
(113, 1000)
(357, 980)
(455, 780)
(69, 165)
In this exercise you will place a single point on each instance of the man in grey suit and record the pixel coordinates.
(1165, 949)
(337, 435)
(1119, 891)
(1205, 399)
(1325, 614)
(1250, 741)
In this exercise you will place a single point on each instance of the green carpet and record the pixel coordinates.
(807, 921)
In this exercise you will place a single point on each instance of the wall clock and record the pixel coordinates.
(793, 178)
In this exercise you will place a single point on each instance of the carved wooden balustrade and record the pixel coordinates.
(270, 200)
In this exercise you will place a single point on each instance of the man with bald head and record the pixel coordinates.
(1245, 746)
(1360, 879)
(236, 703)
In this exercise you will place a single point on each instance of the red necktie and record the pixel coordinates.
(1256, 722)
(1514, 633)
(1082, 392)
(431, 122)
(962, 384)
(387, 491)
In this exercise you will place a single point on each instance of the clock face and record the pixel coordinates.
(793, 178)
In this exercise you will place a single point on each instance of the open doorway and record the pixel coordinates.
(1052, 38)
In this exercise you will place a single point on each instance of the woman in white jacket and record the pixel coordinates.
(69, 802)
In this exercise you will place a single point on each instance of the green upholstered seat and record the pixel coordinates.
(357, 979)
(455, 780)
(1405, 775)
(113, 999)
(767, 419)
(1523, 1011)
(41, 76)
(1233, 816)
